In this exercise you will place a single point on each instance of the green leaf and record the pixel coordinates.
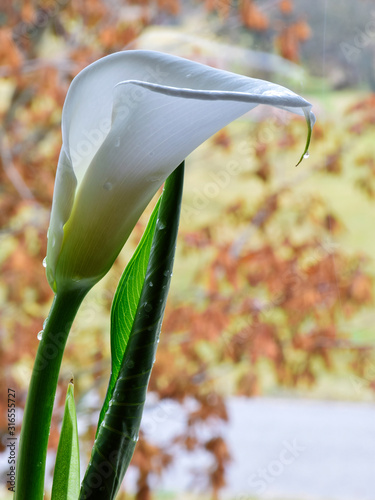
(66, 478)
(125, 303)
(135, 329)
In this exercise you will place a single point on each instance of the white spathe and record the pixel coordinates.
(128, 121)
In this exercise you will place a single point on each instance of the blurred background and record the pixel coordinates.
(264, 380)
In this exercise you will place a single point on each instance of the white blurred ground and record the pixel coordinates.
(282, 448)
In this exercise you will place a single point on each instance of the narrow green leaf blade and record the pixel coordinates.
(66, 478)
(125, 303)
(118, 431)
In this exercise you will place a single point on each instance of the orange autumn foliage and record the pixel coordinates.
(252, 17)
(286, 6)
(290, 38)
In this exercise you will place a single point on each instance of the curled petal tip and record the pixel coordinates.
(310, 120)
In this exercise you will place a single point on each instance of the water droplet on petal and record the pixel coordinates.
(306, 155)
(40, 335)
(45, 262)
(155, 178)
(107, 186)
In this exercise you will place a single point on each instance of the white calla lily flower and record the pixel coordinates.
(128, 121)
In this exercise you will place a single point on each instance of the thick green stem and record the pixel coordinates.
(36, 424)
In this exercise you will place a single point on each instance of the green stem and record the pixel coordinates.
(36, 425)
